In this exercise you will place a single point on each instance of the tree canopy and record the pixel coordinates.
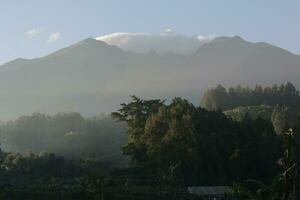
(197, 146)
(220, 98)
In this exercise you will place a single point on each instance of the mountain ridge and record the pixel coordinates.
(92, 76)
(93, 41)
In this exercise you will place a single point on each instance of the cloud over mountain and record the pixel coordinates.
(33, 32)
(164, 42)
(54, 37)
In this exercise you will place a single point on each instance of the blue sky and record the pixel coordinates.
(27, 25)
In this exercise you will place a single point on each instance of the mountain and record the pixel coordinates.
(236, 61)
(92, 77)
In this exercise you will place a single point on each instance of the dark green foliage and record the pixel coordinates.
(220, 98)
(48, 176)
(171, 146)
(135, 115)
(288, 164)
(283, 185)
(200, 147)
(44, 176)
(297, 141)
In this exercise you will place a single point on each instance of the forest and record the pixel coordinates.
(151, 149)
(220, 98)
(66, 134)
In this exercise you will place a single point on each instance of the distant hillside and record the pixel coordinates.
(66, 134)
(238, 113)
(263, 111)
(91, 76)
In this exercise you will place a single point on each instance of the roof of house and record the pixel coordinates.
(208, 190)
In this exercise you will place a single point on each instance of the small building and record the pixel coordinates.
(210, 192)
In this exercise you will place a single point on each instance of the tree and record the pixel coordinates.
(215, 98)
(289, 165)
(196, 146)
(170, 138)
(279, 119)
(135, 115)
(283, 185)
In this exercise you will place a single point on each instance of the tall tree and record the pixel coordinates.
(135, 115)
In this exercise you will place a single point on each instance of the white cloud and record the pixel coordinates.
(33, 32)
(54, 37)
(164, 42)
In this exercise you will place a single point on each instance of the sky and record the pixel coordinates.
(34, 28)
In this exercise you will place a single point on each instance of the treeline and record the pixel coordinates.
(35, 176)
(220, 98)
(44, 165)
(66, 134)
(193, 146)
(48, 176)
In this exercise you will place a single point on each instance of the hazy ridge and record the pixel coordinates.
(91, 76)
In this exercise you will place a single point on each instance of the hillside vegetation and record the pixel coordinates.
(66, 134)
(220, 98)
(170, 146)
(263, 111)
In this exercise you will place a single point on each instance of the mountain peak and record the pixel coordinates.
(87, 45)
(236, 37)
(91, 74)
(230, 39)
(91, 41)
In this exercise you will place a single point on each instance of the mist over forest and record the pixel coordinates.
(66, 134)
